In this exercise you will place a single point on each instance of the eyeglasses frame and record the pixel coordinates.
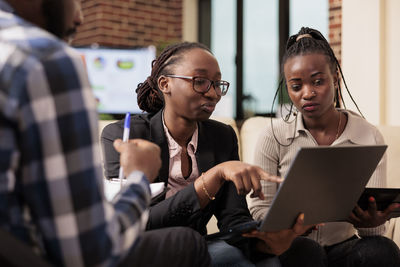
(192, 78)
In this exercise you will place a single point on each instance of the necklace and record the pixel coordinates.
(338, 127)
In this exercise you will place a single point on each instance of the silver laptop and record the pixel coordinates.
(324, 183)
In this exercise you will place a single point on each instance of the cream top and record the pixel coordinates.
(276, 159)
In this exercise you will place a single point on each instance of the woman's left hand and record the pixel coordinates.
(372, 217)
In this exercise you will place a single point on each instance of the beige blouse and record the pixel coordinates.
(276, 159)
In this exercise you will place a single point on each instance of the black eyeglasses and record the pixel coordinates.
(202, 85)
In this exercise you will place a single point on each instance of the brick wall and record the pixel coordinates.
(130, 23)
(335, 27)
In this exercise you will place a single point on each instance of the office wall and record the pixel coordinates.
(190, 20)
(392, 57)
(121, 23)
(361, 55)
(369, 57)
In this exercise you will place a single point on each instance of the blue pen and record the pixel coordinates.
(125, 138)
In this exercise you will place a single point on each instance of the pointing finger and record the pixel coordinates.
(271, 178)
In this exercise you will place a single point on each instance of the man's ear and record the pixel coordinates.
(163, 84)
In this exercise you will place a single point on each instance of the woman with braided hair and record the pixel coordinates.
(200, 162)
(311, 75)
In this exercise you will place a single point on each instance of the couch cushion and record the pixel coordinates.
(249, 133)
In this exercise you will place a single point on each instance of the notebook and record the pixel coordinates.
(113, 186)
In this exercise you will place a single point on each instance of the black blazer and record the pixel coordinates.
(217, 143)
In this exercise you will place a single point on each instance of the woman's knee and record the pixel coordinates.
(183, 245)
(376, 251)
(189, 239)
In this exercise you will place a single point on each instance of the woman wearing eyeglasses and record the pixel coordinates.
(200, 162)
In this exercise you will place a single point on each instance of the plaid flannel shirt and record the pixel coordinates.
(51, 185)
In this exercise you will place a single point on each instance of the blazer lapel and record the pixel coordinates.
(205, 151)
(157, 136)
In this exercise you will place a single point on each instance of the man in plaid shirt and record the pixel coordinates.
(51, 187)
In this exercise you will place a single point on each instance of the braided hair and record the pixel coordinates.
(310, 41)
(149, 96)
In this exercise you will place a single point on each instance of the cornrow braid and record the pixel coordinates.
(149, 96)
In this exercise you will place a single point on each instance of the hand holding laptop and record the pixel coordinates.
(278, 242)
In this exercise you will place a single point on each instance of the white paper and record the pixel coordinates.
(156, 188)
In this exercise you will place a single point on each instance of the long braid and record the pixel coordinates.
(347, 89)
(149, 96)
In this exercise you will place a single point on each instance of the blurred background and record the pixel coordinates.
(120, 38)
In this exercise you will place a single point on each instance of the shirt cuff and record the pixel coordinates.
(136, 177)
(379, 230)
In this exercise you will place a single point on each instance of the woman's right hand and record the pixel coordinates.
(245, 177)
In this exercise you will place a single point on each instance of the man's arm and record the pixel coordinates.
(61, 168)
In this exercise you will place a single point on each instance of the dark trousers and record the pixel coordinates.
(374, 251)
(175, 246)
(304, 252)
